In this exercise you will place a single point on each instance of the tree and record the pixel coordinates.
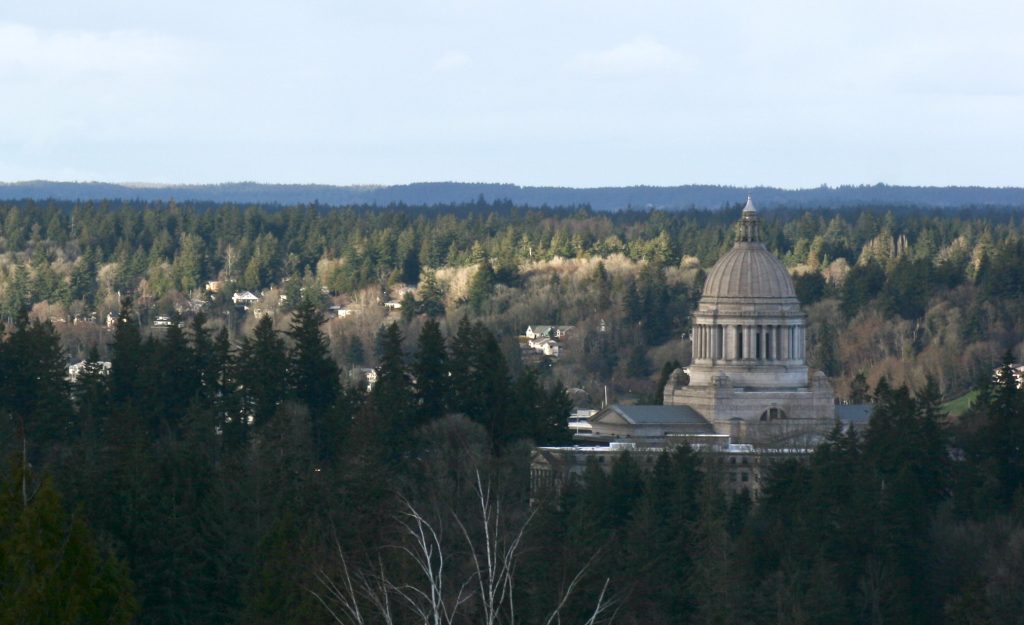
(262, 361)
(51, 570)
(438, 580)
(312, 373)
(33, 389)
(430, 370)
(481, 287)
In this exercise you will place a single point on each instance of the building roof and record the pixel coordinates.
(854, 414)
(749, 270)
(652, 415)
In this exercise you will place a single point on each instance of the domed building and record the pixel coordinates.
(747, 395)
(749, 376)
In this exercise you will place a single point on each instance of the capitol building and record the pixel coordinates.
(748, 395)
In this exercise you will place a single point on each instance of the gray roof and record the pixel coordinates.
(854, 414)
(643, 415)
(749, 270)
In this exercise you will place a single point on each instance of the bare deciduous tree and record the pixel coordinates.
(439, 593)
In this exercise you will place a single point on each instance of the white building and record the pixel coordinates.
(244, 298)
(76, 369)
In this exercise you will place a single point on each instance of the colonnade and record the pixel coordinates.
(760, 342)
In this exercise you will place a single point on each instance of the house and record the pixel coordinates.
(1018, 374)
(546, 346)
(244, 298)
(213, 286)
(553, 332)
(162, 321)
(348, 311)
(368, 375)
(260, 313)
(393, 305)
(111, 320)
(76, 369)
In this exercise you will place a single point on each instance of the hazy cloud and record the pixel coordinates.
(642, 55)
(28, 50)
(450, 61)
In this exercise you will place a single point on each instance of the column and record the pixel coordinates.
(748, 342)
(760, 343)
(696, 342)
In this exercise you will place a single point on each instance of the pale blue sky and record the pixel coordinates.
(556, 92)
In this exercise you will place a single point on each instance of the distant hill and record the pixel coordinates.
(599, 198)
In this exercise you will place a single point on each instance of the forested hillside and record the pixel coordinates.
(229, 469)
(600, 198)
(898, 292)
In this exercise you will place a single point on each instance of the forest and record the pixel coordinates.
(229, 469)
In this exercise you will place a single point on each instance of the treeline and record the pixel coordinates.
(903, 292)
(204, 484)
(600, 198)
(913, 520)
(202, 480)
(64, 252)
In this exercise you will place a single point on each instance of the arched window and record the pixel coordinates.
(772, 414)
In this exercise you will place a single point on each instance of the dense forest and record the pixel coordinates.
(225, 469)
(902, 293)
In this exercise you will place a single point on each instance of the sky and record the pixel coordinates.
(535, 92)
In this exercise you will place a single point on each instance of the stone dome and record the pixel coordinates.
(749, 271)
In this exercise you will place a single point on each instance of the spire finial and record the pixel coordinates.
(749, 227)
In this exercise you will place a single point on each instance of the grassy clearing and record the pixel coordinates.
(959, 406)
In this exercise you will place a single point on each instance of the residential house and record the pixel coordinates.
(76, 369)
(244, 298)
(553, 332)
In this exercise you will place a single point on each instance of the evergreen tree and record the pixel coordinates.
(481, 287)
(430, 370)
(261, 368)
(312, 373)
(52, 572)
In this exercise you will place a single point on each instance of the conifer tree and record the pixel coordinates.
(312, 373)
(51, 570)
(261, 368)
(430, 370)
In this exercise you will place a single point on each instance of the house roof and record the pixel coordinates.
(653, 415)
(854, 414)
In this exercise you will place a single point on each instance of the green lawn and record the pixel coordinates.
(958, 406)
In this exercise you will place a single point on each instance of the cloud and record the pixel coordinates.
(642, 55)
(451, 61)
(28, 51)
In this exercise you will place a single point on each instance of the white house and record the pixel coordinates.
(76, 369)
(348, 311)
(546, 346)
(556, 332)
(393, 305)
(244, 298)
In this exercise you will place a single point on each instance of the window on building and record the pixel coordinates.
(772, 414)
